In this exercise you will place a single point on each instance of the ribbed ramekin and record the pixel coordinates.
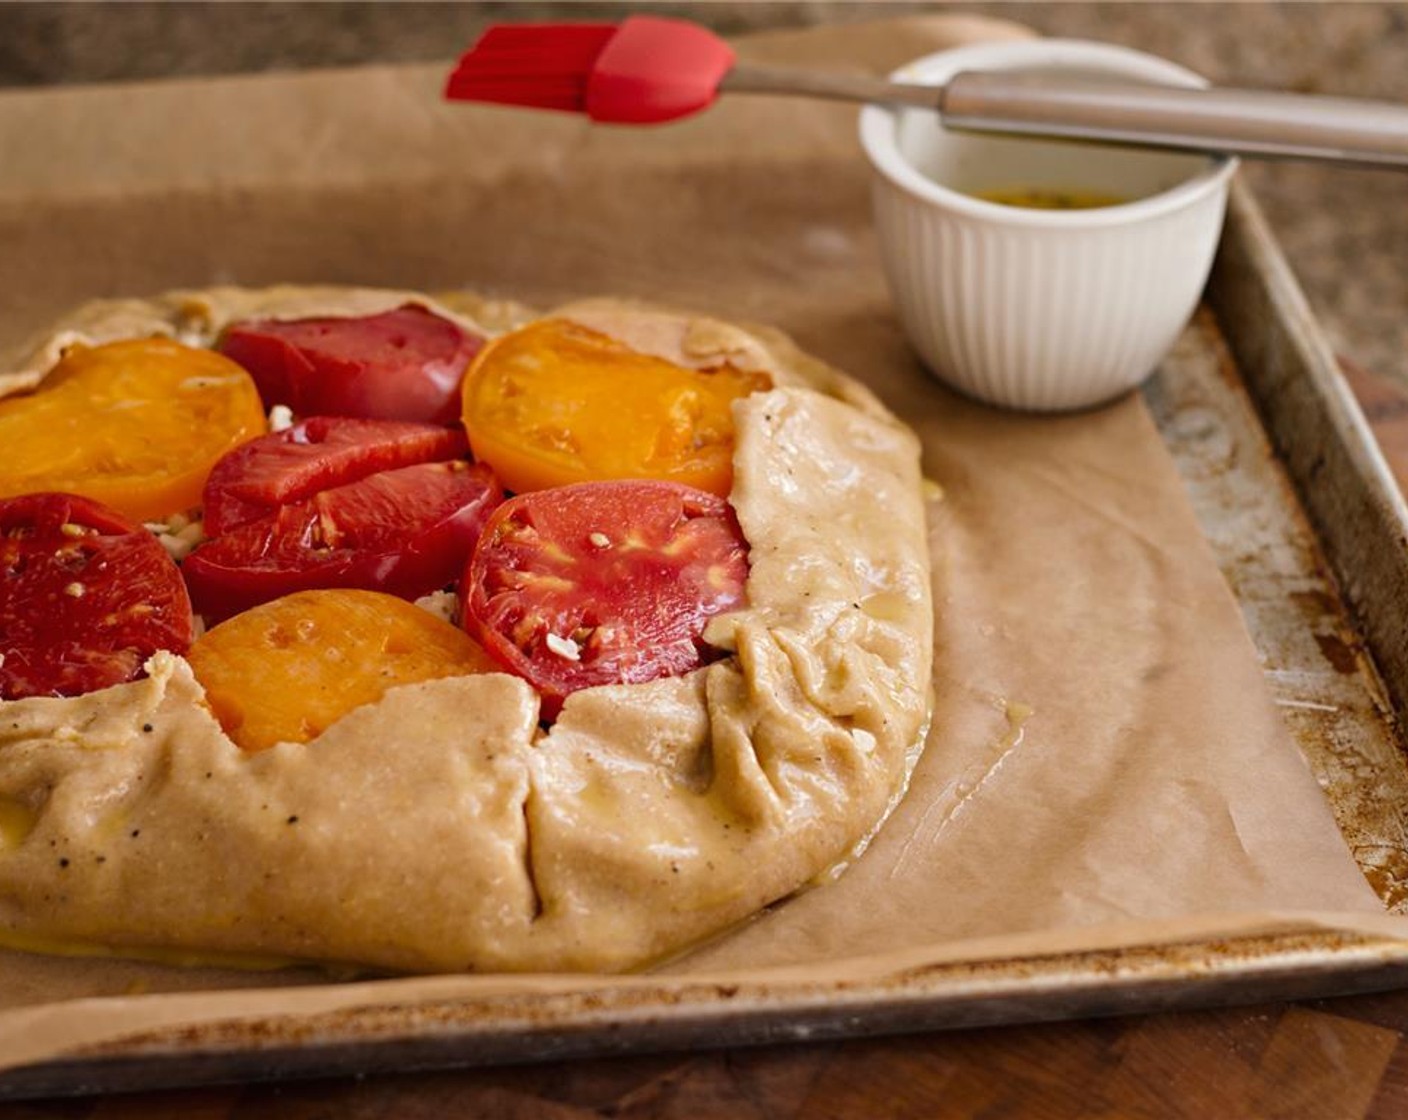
(1032, 309)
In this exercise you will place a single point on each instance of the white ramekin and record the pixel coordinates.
(1040, 309)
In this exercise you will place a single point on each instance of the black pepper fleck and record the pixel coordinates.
(147, 728)
(102, 859)
(63, 862)
(293, 820)
(136, 832)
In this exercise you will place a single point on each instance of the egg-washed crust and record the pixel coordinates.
(441, 829)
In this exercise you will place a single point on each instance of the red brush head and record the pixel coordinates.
(645, 71)
(655, 70)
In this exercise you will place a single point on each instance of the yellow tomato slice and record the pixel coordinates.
(555, 403)
(136, 425)
(287, 670)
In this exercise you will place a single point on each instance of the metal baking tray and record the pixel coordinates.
(1312, 536)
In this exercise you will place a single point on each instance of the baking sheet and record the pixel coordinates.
(1108, 770)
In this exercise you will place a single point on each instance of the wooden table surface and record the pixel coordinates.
(1336, 1058)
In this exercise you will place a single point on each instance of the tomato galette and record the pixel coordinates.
(354, 626)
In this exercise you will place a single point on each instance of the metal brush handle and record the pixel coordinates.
(1231, 121)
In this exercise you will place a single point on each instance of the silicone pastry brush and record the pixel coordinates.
(648, 69)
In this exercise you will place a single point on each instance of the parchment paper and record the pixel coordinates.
(1105, 767)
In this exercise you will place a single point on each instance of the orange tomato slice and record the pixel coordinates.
(136, 425)
(288, 669)
(555, 403)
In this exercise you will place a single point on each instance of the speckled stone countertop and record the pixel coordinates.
(1345, 231)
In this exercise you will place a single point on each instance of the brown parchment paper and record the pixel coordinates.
(1105, 767)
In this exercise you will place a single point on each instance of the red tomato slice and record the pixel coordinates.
(603, 583)
(257, 477)
(85, 597)
(406, 532)
(404, 364)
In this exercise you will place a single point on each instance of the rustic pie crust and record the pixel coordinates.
(441, 828)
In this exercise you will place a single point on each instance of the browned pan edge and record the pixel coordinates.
(522, 1029)
(1319, 432)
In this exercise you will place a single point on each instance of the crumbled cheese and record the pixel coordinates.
(280, 417)
(75, 589)
(564, 647)
(173, 524)
(178, 534)
(442, 604)
(179, 542)
(600, 540)
(69, 529)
